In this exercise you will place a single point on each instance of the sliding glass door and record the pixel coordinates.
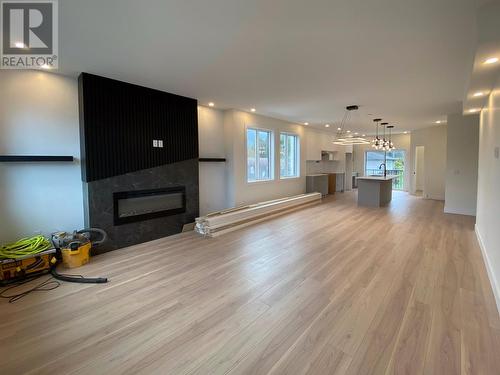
(395, 166)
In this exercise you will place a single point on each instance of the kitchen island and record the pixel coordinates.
(374, 191)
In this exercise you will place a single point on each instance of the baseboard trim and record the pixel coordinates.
(459, 212)
(489, 269)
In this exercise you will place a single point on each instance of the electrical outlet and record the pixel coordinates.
(160, 143)
(155, 143)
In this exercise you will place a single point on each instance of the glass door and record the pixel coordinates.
(395, 166)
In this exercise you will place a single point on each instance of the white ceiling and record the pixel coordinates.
(301, 60)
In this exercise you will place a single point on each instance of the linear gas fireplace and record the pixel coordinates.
(134, 188)
(139, 205)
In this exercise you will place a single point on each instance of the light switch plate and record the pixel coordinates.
(160, 143)
(155, 143)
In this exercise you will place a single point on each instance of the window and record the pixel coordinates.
(289, 155)
(259, 155)
(395, 166)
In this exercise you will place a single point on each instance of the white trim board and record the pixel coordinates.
(459, 211)
(241, 216)
(489, 269)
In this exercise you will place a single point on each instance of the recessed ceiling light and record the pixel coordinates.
(20, 45)
(339, 129)
(327, 125)
(479, 93)
(472, 110)
(253, 110)
(438, 122)
(211, 104)
(306, 123)
(363, 135)
(405, 132)
(348, 131)
(491, 60)
(356, 133)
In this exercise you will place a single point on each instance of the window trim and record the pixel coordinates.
(297, 157)
(271, 156)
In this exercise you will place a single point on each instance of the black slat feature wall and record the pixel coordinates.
(119, 121)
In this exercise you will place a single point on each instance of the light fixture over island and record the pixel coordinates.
(376, 191)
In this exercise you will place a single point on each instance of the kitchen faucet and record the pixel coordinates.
(385, 169)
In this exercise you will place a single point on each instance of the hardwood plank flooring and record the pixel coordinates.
(330, 289)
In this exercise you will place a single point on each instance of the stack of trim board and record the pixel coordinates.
(221, 222)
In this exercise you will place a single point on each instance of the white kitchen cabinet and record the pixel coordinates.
(318, 142)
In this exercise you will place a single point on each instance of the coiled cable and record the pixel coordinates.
(24, 247)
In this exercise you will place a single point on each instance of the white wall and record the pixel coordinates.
(434, 141)
(401, 142)
(488, 188)
(39, 116)
(212, 174)
(239, 190)
(419, 167)
(462, 164)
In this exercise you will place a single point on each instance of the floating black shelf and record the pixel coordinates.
(33, 158)
(212, 160)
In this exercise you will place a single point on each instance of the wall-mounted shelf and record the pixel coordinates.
(212, 160)
(33, 158)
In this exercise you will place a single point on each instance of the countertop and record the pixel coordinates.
(377, 178)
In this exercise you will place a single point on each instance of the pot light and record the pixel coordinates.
(405, 132)
(479, 93)
(253, 110)
(438, 122)
(339, 129)
(306, 123)
(348, 131)
(20, 45)
(491, 60)
(356, 133)
(327, 125)
(211, 104)
(473, 110)
(363, 135)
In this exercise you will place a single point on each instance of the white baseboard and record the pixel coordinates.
(448, 210)
(489, 269)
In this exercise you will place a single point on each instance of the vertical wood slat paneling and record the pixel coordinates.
(118, 122)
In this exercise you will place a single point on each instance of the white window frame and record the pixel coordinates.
(297, 156)
(271, 155)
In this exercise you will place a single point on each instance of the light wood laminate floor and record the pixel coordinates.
(330, 289)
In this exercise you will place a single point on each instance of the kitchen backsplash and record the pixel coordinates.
(324, 166)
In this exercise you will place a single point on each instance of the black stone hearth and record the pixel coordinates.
(99, 205)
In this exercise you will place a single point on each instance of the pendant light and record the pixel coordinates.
(385, 142)
(391, 145)
(376, 142)
(343, 136)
